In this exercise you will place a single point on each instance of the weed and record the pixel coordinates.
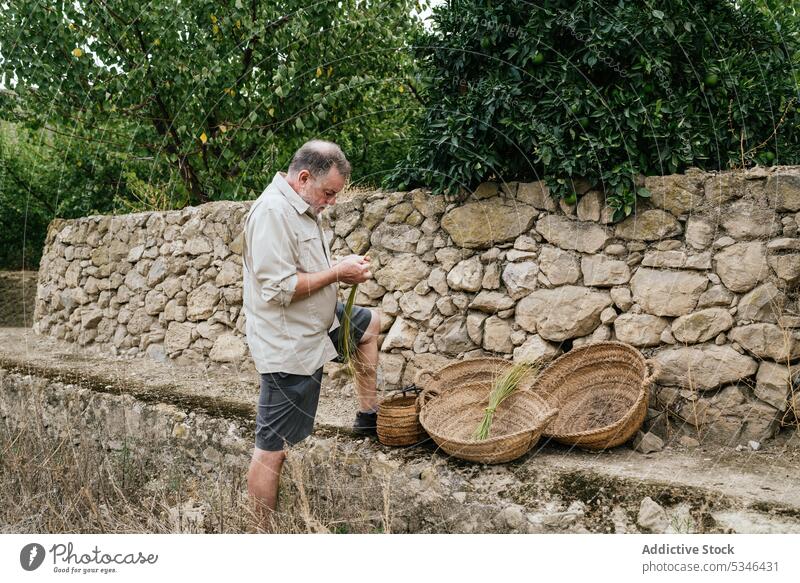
(682, 524)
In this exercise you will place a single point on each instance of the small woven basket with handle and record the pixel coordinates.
(398, 418)
(601, 392)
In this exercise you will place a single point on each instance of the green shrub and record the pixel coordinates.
(521, 90)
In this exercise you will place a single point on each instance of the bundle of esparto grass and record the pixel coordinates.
(346, 347)
(502, 389)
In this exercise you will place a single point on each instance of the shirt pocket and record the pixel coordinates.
(310, 248)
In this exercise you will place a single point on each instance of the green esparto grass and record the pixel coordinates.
(503, 388)
(346, 347)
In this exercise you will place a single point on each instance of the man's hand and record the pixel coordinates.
(353, 269)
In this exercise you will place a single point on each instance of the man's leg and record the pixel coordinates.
(366, 365)
(285, 415)
(262, 484)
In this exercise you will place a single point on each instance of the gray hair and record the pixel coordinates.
(317, 156)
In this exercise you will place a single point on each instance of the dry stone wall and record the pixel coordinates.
(165, 284)
(703, 279)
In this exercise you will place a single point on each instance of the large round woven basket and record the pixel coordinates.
(398, 421)
(452, 417)
(468, 371)
(601, 393)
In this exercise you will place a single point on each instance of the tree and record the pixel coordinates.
(213, 92)
(560, 89)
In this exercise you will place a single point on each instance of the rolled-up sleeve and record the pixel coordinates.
(273, 250)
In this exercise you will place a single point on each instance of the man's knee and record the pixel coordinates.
(373, 329)
(264, 459)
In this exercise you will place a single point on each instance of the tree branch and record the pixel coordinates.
(166, 127)
(416, 94)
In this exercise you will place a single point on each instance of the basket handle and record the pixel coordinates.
(412, 388)
(426, 395)
(655, 370)
(423, 378)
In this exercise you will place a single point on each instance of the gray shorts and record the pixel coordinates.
(288, 402)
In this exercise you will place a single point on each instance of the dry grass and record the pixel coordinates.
(788, 417)
(346, 346)
(502, 388)
(700, 425)
(336, 494)
(70, 485)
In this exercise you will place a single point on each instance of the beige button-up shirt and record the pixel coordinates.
(282, 237)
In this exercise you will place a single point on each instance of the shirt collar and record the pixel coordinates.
(298, 203)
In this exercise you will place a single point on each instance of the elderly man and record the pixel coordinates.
(293, 316)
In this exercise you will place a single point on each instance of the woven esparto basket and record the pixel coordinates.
(600, 391)
(398, 420)
(468, 371)
(452, 417)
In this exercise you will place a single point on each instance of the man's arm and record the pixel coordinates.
(308, 283)
(273, 250)
(274, 256)
(352, 269)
